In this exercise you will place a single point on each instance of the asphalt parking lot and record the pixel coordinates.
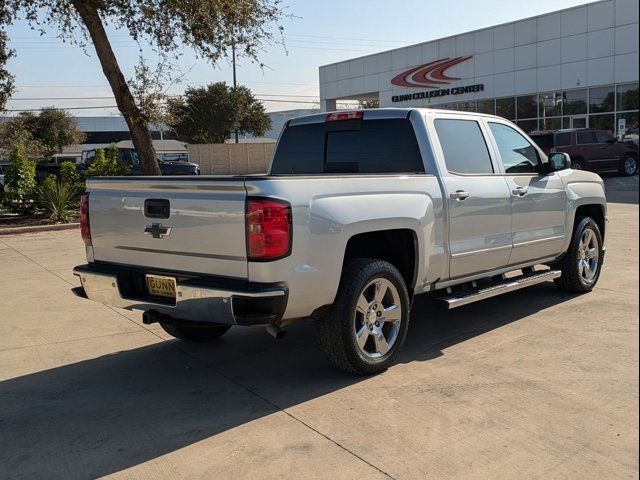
(533, 384)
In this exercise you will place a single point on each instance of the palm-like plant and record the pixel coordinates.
(58, 199)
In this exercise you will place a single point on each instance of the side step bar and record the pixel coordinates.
(507, 285)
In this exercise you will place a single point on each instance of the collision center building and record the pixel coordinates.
(572, 68)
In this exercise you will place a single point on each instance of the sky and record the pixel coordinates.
(49, 72)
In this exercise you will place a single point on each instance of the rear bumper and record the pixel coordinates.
(198, 300)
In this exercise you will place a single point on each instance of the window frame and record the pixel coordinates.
(435, 141)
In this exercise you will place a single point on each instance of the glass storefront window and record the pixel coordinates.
(631, 132)
(487, 106)
(467, 106)
(628, 97)
(575, 102)
(550, 104)
(554, 123)
(528, 125)
(602, 99)
(527, 106)
(602, 122)
(506, 107)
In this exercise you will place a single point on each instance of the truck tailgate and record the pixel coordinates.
(202, 232)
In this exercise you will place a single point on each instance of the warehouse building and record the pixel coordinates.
(571, 68)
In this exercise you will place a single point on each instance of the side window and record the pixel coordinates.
(603, 137)
(563, 139)
(585, 136)
(516, 152)
(463, 145)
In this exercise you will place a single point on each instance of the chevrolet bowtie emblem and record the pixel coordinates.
(156, 230)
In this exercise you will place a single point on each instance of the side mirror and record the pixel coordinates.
(557, 161)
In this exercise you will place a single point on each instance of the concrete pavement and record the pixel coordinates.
(535, 384)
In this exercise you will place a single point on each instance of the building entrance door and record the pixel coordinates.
(579, 122)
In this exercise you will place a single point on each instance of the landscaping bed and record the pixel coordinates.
(10, 222)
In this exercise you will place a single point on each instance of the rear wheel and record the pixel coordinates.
(629, 165)
(195, 334)
(582, 263)
(366, 327)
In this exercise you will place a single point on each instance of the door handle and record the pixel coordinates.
(520, 191)
(459, 195)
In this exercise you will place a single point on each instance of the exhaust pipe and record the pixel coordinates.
(276, 332)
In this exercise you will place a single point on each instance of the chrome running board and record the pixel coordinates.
(454, 300)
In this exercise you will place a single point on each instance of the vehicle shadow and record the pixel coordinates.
(103, 415)
(621, 189)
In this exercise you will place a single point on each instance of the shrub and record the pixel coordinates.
(69, 172)
(105, 164)
(19, 182)
(57, 199)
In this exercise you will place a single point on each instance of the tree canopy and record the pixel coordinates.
(210, 114)
(210, 27)
(41, 135)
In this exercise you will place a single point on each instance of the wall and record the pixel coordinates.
(231, 158)
(593, 44)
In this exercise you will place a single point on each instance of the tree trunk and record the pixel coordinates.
(126, 104)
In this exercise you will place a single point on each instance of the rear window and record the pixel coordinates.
(586, 136)
(563, 139)
(463, 145)
(367, 146)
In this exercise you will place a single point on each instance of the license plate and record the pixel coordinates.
(161, 286)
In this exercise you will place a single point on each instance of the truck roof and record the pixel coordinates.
(381, 113)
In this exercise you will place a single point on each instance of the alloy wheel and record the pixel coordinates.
(377, 318)
(630, 165)
(588, 256)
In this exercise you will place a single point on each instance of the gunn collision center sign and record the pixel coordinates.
(432, 75)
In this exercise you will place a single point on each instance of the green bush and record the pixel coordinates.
(69, 172)
(19, 183)
(105, 164)
(57, 199)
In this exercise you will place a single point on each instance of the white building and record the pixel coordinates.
(567, 69)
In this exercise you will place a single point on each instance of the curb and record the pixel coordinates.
(38, 229)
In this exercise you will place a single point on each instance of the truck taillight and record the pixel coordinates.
(85, 229)
(268, 229)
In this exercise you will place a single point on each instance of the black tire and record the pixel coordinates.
(337, 328)
(577, 164)
(628, 165)
(572, 280)
(195, 334)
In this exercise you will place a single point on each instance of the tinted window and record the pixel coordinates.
(563, 139)
(603, 137)
(463, 145)
(585, 136)
(376, 146)
(300, 150)
(516, 152)
(543, 141)
(369, 146)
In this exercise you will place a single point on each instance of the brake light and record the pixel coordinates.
(268, 229)
(340, 116)
(85, 229)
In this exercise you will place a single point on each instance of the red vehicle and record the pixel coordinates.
(590, 149)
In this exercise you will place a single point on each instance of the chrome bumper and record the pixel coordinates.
(193, 303)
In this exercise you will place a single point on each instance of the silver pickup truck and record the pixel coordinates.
(359, 212)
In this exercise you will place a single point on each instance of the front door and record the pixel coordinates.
(538, 202)
(478, 200)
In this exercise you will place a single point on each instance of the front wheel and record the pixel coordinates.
(629, 165)
(366, 327)
(195, 334)
(582, 263)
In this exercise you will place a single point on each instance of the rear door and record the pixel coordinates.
(538, 202)
(478, 199)
(190, 224)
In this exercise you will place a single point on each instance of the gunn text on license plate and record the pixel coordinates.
(162, 286)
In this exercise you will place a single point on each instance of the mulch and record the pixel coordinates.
(11, 224)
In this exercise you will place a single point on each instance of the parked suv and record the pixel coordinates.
(590, 149)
